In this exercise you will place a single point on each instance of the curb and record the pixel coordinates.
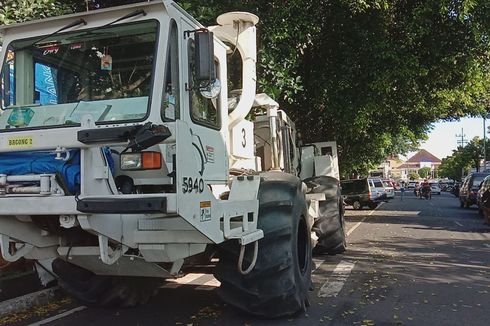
(28, 301)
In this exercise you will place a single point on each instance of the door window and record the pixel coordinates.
(7, 94)
(203, 111)
(171, 96)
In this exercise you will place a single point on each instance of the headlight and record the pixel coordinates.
(141, 161)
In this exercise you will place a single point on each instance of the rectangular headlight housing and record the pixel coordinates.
(141, 161)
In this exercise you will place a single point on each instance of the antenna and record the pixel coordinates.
(461, 142)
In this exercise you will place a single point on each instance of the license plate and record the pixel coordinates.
(20, 142)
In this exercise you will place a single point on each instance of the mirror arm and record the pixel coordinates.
(189, 32)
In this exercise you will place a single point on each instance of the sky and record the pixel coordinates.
(442, 139)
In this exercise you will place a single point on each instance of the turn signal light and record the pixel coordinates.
(151, 160)
(141, 161)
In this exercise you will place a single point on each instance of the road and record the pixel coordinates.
(410, 262)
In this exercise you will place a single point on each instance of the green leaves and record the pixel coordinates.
(463, 159)
(14, 11)
(371, 74)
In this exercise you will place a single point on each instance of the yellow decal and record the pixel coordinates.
(205, 204)
(16, 142)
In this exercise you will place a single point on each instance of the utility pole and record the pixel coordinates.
(461, 142)
(485, 117)
(484, 145)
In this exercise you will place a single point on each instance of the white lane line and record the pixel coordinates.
(318, 263)
(336, 281)
(209, 285)
(203, 281)
(457, 223)
(365, 217)
(188, 279)
(62, 315)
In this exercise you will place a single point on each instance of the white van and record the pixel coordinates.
(376, 188)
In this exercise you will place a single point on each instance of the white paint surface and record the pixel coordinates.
(336, 281)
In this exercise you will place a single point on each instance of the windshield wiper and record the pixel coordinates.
(70, 25)
(130, 15)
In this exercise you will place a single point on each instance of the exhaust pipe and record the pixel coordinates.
(238, 28)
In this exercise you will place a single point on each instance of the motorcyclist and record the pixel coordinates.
(425, 189)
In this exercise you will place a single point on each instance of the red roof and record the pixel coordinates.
(423, 156)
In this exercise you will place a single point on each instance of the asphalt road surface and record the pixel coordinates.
(410, 262)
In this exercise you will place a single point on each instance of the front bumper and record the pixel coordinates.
(71, 205)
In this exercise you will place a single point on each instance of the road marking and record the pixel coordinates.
(188, 279)
(359, 223)
(443, 265)
(457, 223)
(202, 281)
(318, 263)
(486, 245)
(62, 315)
(209, 285)
(336, 281)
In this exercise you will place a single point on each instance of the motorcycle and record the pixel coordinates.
(425, 193)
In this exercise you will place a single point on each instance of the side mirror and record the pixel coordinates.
(204, 56)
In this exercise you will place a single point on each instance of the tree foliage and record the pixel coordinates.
(424, 172)
(372, 75)
(413, 176)
(463, 160)
(15, 11)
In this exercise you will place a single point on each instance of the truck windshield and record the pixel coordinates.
(104, 73)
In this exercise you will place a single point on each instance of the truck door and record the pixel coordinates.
(205, 117)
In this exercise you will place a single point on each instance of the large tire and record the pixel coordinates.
(104, 291)
(330, 226)
(279, 283)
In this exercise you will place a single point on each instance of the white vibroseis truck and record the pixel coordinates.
(124, 161)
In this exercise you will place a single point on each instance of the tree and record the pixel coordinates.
(472, 153)
(413, 176)
(15, 11)
(463, 160)
(372, 75)
(385, 68)
(424, 172)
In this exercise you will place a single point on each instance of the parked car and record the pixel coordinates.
(435, 189)
(360, 193)
(484, 187)
(412, 184)
(389, 189)
(469, 188)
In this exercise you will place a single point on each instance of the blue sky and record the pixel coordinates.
(442, 140)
